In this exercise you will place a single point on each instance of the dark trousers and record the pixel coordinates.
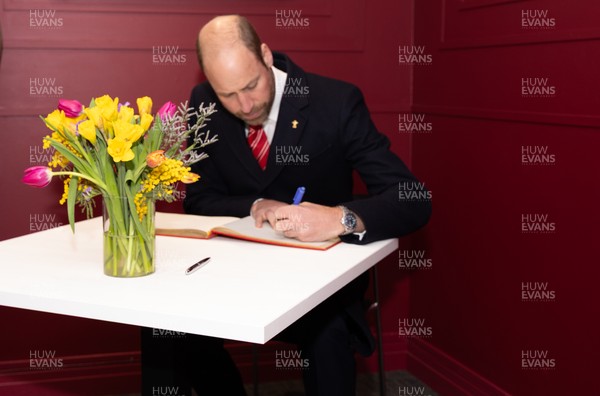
(328, 336)
(174, 364)
(331, 368)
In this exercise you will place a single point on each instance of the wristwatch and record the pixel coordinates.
(348, 220)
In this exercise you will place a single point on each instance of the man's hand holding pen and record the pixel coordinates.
(306, 222)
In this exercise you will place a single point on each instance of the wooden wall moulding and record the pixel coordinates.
(512, 115)
(303, 25)
(258, 7)
(487, 23)
(470, 4)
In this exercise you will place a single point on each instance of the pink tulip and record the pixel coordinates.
(37, 176)
(72, 108)
(167, 110)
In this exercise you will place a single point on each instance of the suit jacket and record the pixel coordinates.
(323, 133)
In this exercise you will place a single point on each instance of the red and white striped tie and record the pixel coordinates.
(257, 139)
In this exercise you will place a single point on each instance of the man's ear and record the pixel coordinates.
(267, 55)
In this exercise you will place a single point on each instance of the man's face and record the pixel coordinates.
(244, 85)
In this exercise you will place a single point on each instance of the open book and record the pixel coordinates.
(193, 226)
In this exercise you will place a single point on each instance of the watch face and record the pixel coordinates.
(350, 222)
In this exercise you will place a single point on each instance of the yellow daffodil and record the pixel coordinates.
(120, 150)
(109, 111)
(144, 105)
(95, 114)
(109, 107)
(71, 123)
(146, 121)
(87, 129)
(126, 131)
(125, 113)
(57, 120)
(62, 123)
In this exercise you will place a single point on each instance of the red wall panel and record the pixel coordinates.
(510, 297)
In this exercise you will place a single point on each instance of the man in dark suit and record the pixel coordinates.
(280, 128)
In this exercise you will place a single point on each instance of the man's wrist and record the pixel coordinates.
(359, 229)
(348, 220)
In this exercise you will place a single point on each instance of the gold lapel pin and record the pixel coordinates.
(295, 124)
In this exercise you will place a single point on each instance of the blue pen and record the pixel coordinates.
(298, 196)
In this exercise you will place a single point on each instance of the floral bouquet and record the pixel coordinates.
(131, 160)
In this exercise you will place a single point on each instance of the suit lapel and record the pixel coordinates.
(288, 132)
(235, 136)
(291, 120)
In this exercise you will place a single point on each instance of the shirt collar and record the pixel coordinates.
(269, 124)
(280, 77)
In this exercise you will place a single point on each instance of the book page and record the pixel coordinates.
(187, 225)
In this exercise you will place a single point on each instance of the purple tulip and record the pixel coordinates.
(167, 110)
(72, 108)
(37, 176)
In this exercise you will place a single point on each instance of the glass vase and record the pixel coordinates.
(129, 238)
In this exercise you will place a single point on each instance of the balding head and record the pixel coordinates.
(238, 67)
(225, 33)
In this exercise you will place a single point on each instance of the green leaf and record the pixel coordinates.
(128, 175)
(78, 163)
(71, 198)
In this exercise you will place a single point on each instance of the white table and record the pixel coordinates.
(248, 291)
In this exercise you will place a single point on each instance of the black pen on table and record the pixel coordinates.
(197, 266)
